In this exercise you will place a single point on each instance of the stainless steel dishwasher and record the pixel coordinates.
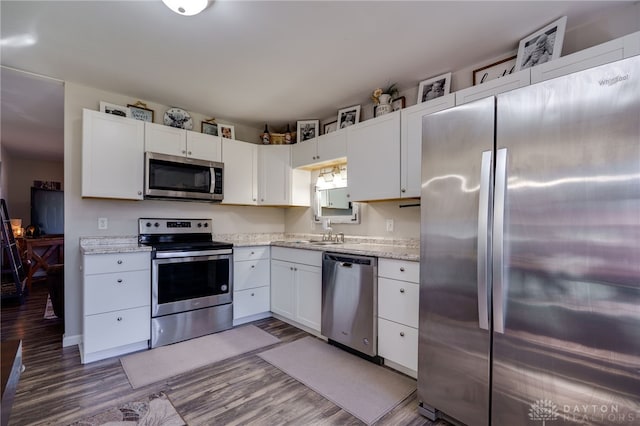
(350, 302)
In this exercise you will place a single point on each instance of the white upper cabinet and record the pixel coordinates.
(323, 149)
(373, 155)
(112, 156)
(494, 87)
(240, 172)
(172, 141)
(411, 142)
(279, 184)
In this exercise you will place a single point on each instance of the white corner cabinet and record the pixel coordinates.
(398, 301)
(112, 156)
(262, 175)
(411, 143)
(324, 149)
(116, 308)
(296, 286)
(251, 279)
(182, 143)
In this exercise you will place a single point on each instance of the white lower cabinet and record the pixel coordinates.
(251, 282)
(398, 301)
(296, 286)
(116, 308)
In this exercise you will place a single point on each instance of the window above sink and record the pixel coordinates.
(331, 197)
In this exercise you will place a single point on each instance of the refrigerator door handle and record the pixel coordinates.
(484, 215)
(500, 283)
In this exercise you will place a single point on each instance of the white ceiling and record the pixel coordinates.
(256, 62)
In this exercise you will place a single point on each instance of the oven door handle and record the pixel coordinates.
(170, 254)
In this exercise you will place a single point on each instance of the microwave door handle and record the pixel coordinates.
(212, 172)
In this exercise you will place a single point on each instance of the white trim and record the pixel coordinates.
(71, 340)
(251, 318)
(404, 370)
(112, 352)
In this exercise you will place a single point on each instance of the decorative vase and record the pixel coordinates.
(385, 105)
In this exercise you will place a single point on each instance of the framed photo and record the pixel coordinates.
(542, 46)
(330, 127)
(495, 70)
(139, 111)
(434, 87)
(209, 128)
(348, 116)
(227, 131)
(308, 129)
(398, 103)
(114, 109)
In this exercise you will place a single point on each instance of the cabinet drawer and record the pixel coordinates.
(398, 301)
(116, 262)
(398, 343)
(251, 253)
(306, 257)
(250, 302)
(118, 328)
(113, 292)
(399, 270)
(251, 274)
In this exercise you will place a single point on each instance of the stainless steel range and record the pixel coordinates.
(191, 279)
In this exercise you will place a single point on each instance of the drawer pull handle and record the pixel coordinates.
(119, 280)
(402, 334)
(402, 290)
(253, 252)
(253, 266)
(253, 294)
(119, 262)
(401, 269)
(119, 318)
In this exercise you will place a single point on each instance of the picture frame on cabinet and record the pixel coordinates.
(114, 109)
(227, 131)
(209, 128)
(308, 129)
(495, 70)
(434, 87)
(348, 116)
(542, 46)
(398, 103)
(332, 126)
(140, 111)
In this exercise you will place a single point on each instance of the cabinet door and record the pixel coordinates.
(274, 165)
(411, 142)
(165, 139)
(308, 295)
(204, 147)
(282, 289)
(373, 152)
(112, 156)
(332, 146)
(304, 153)
(240, 172)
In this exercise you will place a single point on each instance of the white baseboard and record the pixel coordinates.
(71, 340)
(298, 325)
(250, 318)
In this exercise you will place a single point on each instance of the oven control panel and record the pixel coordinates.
(174, 226)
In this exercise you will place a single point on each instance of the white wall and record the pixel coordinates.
(23, 172)
(81, 214)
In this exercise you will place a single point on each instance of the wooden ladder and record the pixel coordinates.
(10, 248)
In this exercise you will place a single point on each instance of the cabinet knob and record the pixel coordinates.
(252, 294)
(119, 280)
(402, 290)
(254, 199)
(291, 267)
(184, 152)
(317, 157)
(189, 153)
(261, 199)
(402, 334)
(253, 266)
(119, 262)
(295, 269)
(401, 269)
(139, 192)
(313, 158)
(348, 195)
(119, 318)
(253, 252)
(403, 190)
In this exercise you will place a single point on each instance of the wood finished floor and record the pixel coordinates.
(56, 389)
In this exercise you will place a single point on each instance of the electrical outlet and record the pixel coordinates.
(103, 223)
(389, 225)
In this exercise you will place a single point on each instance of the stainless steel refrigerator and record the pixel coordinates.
(530, 254)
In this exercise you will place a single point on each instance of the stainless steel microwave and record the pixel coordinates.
(182, 178)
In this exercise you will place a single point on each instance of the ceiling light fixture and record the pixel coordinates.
(186, 7)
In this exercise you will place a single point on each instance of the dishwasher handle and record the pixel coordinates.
(346, 265)
(351, 260)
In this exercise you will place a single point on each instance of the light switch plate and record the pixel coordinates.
(389, 225)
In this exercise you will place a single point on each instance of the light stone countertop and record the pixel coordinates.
(365, 246)
(104, 245)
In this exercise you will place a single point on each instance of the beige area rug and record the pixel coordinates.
(164, 362)
(365, 390)
(154, 410)
(48, 310)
